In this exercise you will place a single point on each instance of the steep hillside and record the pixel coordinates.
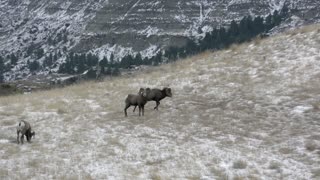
(251, 111)
(33, 29)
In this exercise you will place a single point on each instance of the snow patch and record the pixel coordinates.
(301, 109)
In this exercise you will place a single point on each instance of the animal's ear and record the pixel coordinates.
(141, 90)
(168, 92)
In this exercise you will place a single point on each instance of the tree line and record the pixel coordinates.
(219, 38)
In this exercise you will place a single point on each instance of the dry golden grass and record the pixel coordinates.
(274, 165)
(316, 173)
(311, 146)
(239, 164)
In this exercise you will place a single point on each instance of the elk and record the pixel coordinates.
(157, 95)
(136, 100)
(25, 129)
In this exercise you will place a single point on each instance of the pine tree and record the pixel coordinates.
(127, 61)
(268, 23)
(171, 54)
(156, 60)
(138, 59)
(51, 60)
(91, 60)
(183, 52)
(276, 18)
(111, 60)
(39, 53)
(55, 57)
(214, 39)
(80, 61)
(205, 43)
(222, 38)
(245, 29)
(284, 12)
(48, 61)
(31, 49)
(233, 31)
(191, 48)
(13, 59)
(2, 69)
(258, 25)
(65, 38)
(34, 66)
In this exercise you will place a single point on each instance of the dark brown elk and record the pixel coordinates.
(157, 95)
(139, 100)
(24, 129)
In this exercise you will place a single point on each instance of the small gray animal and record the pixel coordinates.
(25, 129)
(136, 100)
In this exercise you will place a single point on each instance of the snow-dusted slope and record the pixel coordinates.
(119, 26)
(249, 112)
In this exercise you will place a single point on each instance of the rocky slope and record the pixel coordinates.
(121, 26)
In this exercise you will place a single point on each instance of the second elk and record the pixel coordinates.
(139, 100)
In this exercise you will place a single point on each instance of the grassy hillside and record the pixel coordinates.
(251, 111)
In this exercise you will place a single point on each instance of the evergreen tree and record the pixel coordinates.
(51, 60)
(104, 62)
(138, 59)
(206, 42)
(81, 63)
(214, 39)
(276, 18)
(171, 54)
(157, 59)
(127, 61)
(222, 38)
(284, 12)
(146, 61)
(34, 66)
(92, 60)
(65, 38)
(13, 59)
(31, 49)
(48, 61)
(258, 25)
(251, 28)
(111, 60)
(55, 57)
(50, 41)
(233, 31)
(268, 23)
(191, 48)
(243, 28)
(2, 69)
(59, 54)
(39, 53)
